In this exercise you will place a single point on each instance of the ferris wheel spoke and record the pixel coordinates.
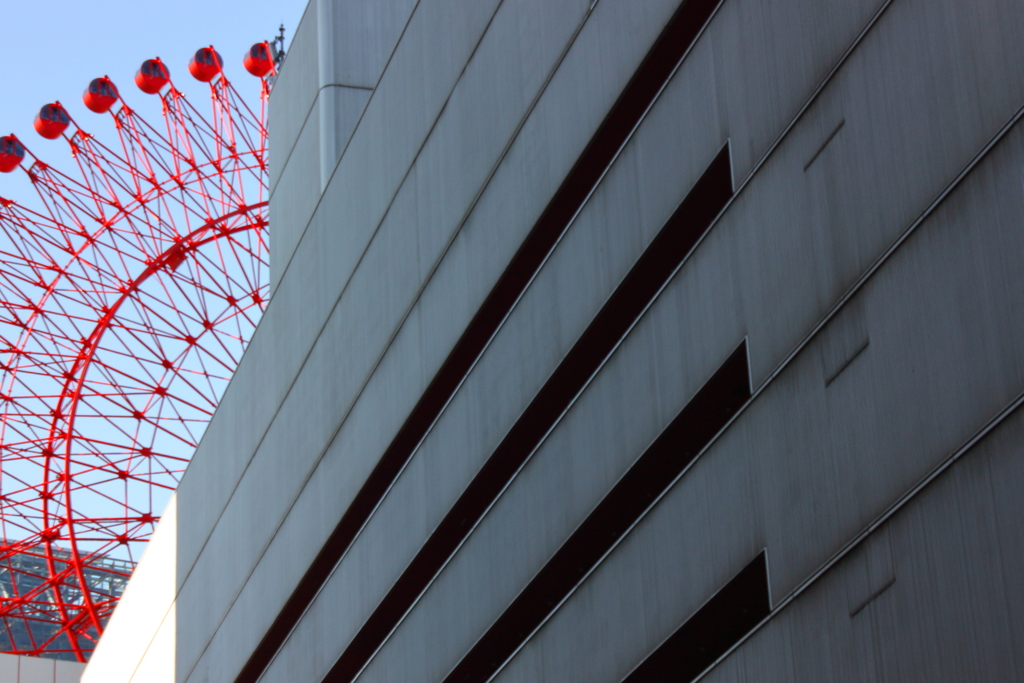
(128, 292)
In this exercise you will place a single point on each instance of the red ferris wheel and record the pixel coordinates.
(128, 291)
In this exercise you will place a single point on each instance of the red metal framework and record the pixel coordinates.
(127, 296)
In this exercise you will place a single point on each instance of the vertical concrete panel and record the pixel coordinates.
(9, 668)
(356, 39)
(294, 93)
(810, 466)
(266, 483)
(504, 220)
(805, 510)
(340, 110)
(35, 670)
(947, 617)
(67, 672)
(257, 389)
(291, 210)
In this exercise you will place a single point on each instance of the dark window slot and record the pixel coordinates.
(692, 429)
(652, 270)
(722, 622)
(670, 47)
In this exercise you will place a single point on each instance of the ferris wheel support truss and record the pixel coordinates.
(127, 296)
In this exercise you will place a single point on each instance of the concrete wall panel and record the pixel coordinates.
(318, 411)
(291, 210)
(452, 607)
(357, 38)
(35, 670)
(519, 360)
(954, 610)
(790, 475)
(23, 669)
(9, 668)
(341, 107)
(295, 91)
(66, 672)
(334, 66)
(437, 348)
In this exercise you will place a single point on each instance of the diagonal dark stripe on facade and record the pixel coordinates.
(653, 269)
(637, 97)
(729, 615)
(649, 477)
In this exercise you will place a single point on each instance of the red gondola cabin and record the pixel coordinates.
(100, 96)
(257, 60)
(11, 153)
(51, 121)
(205, 64)
(152, 76)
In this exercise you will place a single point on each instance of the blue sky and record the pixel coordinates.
(53, 49)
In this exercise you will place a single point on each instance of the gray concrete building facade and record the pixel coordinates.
(616, 340)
